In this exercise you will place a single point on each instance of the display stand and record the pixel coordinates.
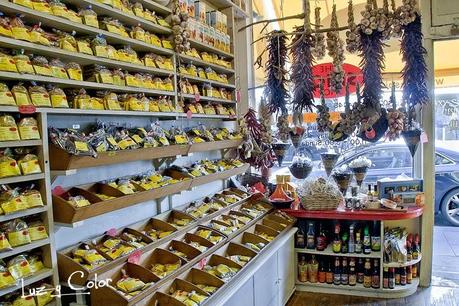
(409, 219)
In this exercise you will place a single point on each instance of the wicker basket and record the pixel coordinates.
(320, 202)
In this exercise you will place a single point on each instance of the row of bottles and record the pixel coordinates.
(344, 237)
(399, 276)
(340, 271)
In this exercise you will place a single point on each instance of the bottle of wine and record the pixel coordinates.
(409, 275)
(300, 238)
(375, 275)
(351, 239)
(391, 278)
(375, 237)
(366, 241)
(358, 242)
(345, 243)
(329, 275)
(397, 276)
(403, 276)
(313, 270)
(352, 272)
(367, 274)
(337, 239)
(337, 272)
(322, 272)
(386, 277)
(360, 271)
(344, 272)
(321, 241)
(302, 270)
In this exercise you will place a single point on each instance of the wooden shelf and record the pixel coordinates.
(222, 4)
(81, 84)
(65, 213)
(207, 99)
(402, 264)
(25, 248)
(69, 26)
(201, 63)
(359, 289)
(127, 19)
(20, 143)
(204, 116)
(22, 178)
(23, 213)
(329, 252)
(44, 273)
(365, 215)
(204, 47)
(206, 81)
(63, 161)
(158, 8)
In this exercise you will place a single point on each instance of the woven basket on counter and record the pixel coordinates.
(319, 202)
(319, 194)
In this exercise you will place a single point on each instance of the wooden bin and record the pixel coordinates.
(189, 238)
(279, 219)
(199, 277)
(248, 237)
(156, 224)
(113, 297)
(215, 145)
(146, 239)
(161, 256)
(222, 224)
(238, 192)
(273, 224)
(67, 266)
(61, 160)
(238, 249)
(259, 228)
(176, 214)
(181, 246)
(180, 284)
(213, 232)
(216, 260)
(162, 299)
(64, 212)
(218, 176)
(236, 213)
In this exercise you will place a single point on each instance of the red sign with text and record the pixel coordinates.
(352, 75)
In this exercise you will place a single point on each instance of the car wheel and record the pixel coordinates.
(450, 207)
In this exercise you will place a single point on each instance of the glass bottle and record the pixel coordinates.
(352, 272)
(358, 243)
(366, 241)
(375, 237)
(397, 276)
(344, 272)
(409, 251)
(300, 239)
(360, 272)
(409, 275)
(403, 276)
(321, 244)
(391, 278)
(313, 270)
(351, 243)
(417, 248)
(414, 271)
(310, 237)
(329, 275)
(375, 275)
(337, 272)
(302, 270)
(386, 277)
(369, 194)
(322, 272)
(367, 274)
(345, 243)
(375, 193)
(337, 240)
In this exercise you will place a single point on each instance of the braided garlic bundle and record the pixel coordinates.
(323, 119)
(180, 29)
(375, 19)
(336, 52)
(318, 50)
(396, 120)
(352, 36)
(265, 118)
(283, 130)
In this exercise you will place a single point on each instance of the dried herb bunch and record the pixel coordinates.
(352, 35)
(255, 151)
(335, 47)
(395, 118)
(318, 49)
(276, 83)
(323, 119)
(414, 72)
(301, 71)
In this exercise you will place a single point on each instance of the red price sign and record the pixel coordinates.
(238, 96)
(135, 257)
(202, 263)
(111, 232)
(197, 97)
(189, 114)
(27, 109)
(352, 76)
(58, 191)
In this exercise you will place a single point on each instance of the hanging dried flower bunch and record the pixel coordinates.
(276, 83)
(323, 119)
(352, 35)
(415, 71)
(335, 49)
(318, 50)
(266, 120)
(180, 29)
(395, 117)
(254, 151)
(301, 71)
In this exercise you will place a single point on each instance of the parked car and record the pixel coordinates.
(393, 159)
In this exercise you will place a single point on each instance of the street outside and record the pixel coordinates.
(445, 261)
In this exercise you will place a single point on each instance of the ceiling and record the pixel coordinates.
(446, 60)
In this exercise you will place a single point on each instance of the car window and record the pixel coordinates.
(441, 160)
(384, 158)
